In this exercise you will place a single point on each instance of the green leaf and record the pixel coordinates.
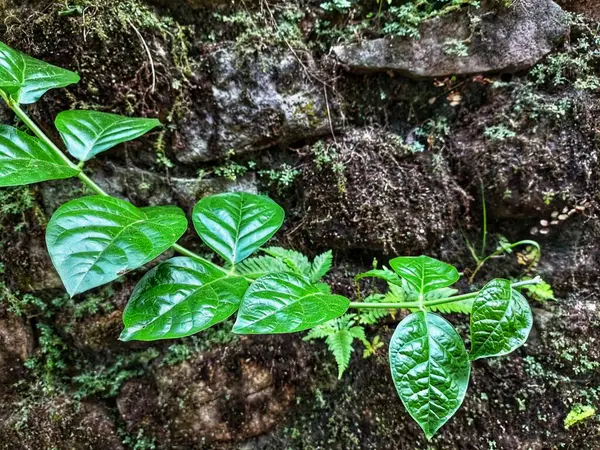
(26, 79)
(430, 368)
(321, 266)
(370, 316)
(425, 274)
(236, 224)
(286, 303)
(25, 159)
(500, 321)
(296, 261)
(385, 274)
(260, 266)
(460, 307)
(578, 414)
(94, 240)
(339, 335)
(87, 133)
(180, 297)
(340, 344)
(542, 292)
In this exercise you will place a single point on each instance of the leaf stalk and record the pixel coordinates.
(440, 301)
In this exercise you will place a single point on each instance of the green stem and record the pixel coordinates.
(441, 301)
(484, 243)
(503, 250)
(81, 175)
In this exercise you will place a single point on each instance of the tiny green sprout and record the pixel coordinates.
(578, 414)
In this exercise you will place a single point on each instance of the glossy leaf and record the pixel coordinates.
(94, 240)
(286, 303)
(430, 368)
(180, 297)
(236, 224)
(87, 133)
(425, 274)
(26, 79)
(500, 321)
(25, 159)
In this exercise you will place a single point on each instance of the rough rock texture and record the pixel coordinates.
(227, 395)
(590, 8)
(145, 188)
(536, 171)
(61, 423)
(255, 101)
(384, 199)
(16, 345)
(505, 40)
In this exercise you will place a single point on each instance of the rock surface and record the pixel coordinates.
(255, 102)
(59, 423)
(385, 198)
(591, 8)
(504, 40)
(223, 396)
(16, 345)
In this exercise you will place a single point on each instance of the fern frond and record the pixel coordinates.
(260, 265)
(441, 293)
(461, 307)
(384, 273)
(340, 344)
(296, 261)
(359, 333)
(323, 287)
(372, 316)
(321, 265)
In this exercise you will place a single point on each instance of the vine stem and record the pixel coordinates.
(498, 252)
(441, 301)
(81, 175)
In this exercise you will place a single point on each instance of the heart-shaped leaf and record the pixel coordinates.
(500, 321)
(180, 297)
(25, 159)
(87, 133)
(94, 240)
(236, 224)
(425, 274)
(26, 79)
(430, 368)
(286, 303)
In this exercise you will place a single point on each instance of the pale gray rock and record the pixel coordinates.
(505, 40)
(255, 102)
